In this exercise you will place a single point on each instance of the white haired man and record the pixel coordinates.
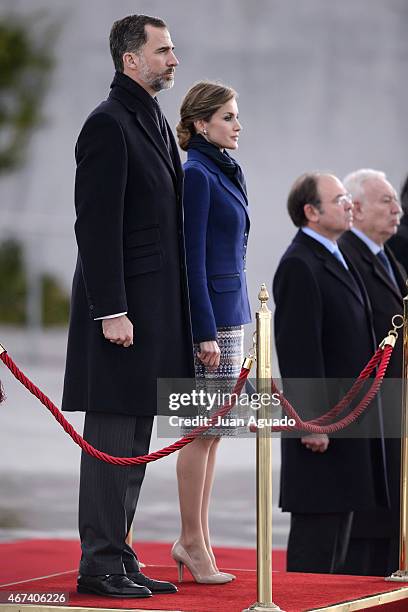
(399, 242)
(373, 547)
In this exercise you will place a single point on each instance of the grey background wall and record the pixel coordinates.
(322, 85)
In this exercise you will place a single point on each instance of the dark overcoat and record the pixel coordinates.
(129, 230)
(323, 329)
(386, 301)
(385, 297)
(399, 242)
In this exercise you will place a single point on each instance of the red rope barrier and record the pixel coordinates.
(94, 452)
(382, 355)
(354, 390)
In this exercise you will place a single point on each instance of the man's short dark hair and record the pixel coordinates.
(129, 35)
(304, 191)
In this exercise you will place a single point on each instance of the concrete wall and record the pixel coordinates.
(322, 86)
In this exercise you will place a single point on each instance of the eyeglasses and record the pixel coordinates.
(340, 200)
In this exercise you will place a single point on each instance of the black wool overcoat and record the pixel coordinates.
(385, 297)
(323, 329)
(386, 301)
(399, 243)
(129, 230)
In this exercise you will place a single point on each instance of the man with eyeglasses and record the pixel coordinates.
(323, 330)
(377, 211)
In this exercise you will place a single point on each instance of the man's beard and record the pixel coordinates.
(156, 81)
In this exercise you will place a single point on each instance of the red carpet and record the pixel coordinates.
(27, 560)
(24, 559)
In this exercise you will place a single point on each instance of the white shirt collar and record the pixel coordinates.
(373, 246)
(329, 244)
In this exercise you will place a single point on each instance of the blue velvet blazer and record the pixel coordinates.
(216, 234)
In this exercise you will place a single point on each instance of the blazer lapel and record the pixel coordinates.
(229, 185)
(224, 180)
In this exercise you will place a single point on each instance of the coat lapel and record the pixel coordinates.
(147, 124)
(399, 272)
(382, 275)
(178, 168)
(153, 133)
(373, 263)
(343, 275)
(332, 265)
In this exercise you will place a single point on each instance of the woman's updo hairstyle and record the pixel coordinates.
(200, 102)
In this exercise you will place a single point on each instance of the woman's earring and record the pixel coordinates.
(205, 132)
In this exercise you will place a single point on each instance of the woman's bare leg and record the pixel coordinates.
(192, 465)
(208, 485)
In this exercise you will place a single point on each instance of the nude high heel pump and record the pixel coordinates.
(231, 576)
(180, 569)
(181, 557)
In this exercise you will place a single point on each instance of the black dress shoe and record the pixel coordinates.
(155, 586)
(111, 585)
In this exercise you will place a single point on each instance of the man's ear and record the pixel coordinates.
(358, 210)
(311, 213)
(130, 61)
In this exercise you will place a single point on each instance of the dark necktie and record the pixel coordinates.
(382, 256)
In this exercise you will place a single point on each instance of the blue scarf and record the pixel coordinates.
(229, 166)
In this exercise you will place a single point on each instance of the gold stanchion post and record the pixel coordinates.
(401, 575)
(264, 463)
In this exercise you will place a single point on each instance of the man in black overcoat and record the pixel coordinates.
(399, 241)
(374, 541)
(130, 321)
(323, 330)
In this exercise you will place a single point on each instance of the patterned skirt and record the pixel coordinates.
(221, 381)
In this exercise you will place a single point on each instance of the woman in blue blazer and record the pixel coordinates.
(216, 233)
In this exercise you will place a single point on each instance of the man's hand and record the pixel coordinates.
(209, 354)
(317, 443)
(118, 330)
